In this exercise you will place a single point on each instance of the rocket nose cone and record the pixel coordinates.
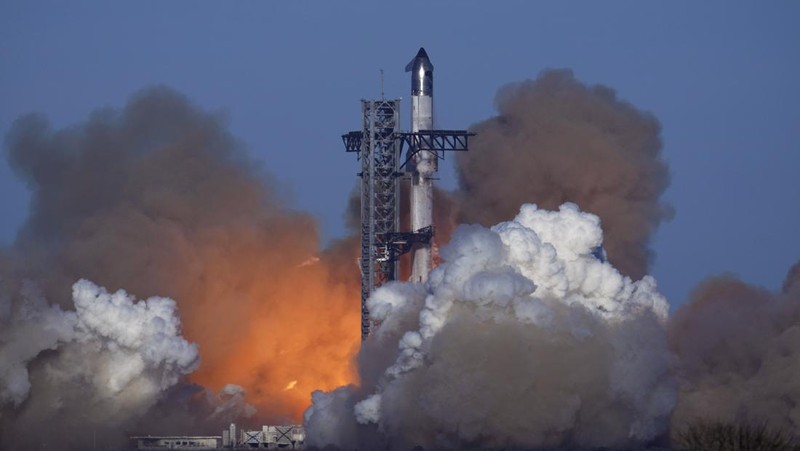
(420, 60)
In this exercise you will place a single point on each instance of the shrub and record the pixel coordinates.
(719, 436)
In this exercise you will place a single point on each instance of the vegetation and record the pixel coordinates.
(718, 436)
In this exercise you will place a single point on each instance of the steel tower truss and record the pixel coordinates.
(379, 146)
(378, 152)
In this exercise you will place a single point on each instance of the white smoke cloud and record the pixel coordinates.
(105, 363)
(121, 343)
(521, 337)
(141, 338)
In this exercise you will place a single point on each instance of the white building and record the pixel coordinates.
(268, 437)
(177, 442)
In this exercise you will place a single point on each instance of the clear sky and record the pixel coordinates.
(722, 77)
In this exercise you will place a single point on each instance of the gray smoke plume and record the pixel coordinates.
(738, 350)
(557, 140)
(159, 199)
(522, 337)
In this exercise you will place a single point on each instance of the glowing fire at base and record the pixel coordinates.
(262, 317)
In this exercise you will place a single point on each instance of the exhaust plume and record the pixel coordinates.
(100, 366)
(159, 198)
(557, 140)
(522, 337)
(738, 350)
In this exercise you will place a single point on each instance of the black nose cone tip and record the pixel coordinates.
(422, 57)
(421, 60)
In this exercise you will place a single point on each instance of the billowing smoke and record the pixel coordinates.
(105, 363)
(738, 348)
(494, 353)
(522, 337)
(158, 198)
(557, 140)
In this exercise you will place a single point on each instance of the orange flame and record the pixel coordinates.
(271, 316)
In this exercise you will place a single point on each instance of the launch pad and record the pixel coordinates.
(387, 155)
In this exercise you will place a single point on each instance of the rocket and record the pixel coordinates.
(424, 162)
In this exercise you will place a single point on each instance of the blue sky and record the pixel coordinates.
(722, 77)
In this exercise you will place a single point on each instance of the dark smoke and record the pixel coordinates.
(160, 199)
(557, 140)
(738, 350)
(134, 184)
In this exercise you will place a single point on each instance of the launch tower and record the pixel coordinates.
(380, 146)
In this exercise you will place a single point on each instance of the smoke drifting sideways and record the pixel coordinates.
(521, 337)
(557, 140)
(160, 200)
(738, 354)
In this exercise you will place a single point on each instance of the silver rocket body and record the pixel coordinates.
(425, 162)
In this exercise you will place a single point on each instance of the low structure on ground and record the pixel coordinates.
(268, 437)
